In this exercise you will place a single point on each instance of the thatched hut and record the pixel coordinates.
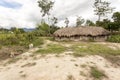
(82, 33)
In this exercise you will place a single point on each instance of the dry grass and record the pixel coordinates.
(23, 75)
(82, 73)
(13, 60)
(70, 77)
(29, 64)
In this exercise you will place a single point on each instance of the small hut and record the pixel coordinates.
(82, 33)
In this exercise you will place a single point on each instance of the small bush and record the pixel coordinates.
(97, 74)
(114, 38)
(38, 41)
(13, 40)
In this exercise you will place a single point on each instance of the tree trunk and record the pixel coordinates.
(49, 26)
(99, 17)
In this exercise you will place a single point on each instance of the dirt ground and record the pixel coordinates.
(56, 67)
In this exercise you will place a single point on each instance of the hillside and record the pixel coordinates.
(61, 61)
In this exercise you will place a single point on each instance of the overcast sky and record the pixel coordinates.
(26, 13)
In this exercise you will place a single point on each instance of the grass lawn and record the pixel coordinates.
(52, 48)
(82, 49)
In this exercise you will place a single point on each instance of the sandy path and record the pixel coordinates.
(58, 68)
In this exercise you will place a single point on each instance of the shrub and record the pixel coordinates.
(97, 74)
(114, 38)
(13, 40)
(38, 41)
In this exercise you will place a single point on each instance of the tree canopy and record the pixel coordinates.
(79, 21)
(102, 8)
(45, 6)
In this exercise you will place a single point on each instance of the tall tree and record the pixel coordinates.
(46, 6)
(89, 23)
(53, 26)
(116, 18)
(102, 8)
(66, 22)
(42, 29)
(54, 21)
(79, 21)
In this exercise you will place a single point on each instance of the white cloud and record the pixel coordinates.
(29, 14)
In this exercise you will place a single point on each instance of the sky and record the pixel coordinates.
(26, 13)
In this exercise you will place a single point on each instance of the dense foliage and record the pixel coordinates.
(111, 25)
(18, 39)
(44, 29)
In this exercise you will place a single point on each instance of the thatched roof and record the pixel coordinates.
(83, 31)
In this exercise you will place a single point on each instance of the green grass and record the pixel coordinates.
(50, 38)
(52, 48)
(114, 38)
(93, 49)
(97, 74)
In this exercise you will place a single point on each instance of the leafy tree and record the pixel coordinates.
(112, 26)
(116, 17)
(42, 29)
(3, 30)
(107, 24)
(21, 30)
(13, 29)
(116, 24)
(66, 22)
(104, 23)
(45, 6)
(89, 23)
(102, 8)
(17, 30)
(54, 21)
(79, 21)
(53, 27)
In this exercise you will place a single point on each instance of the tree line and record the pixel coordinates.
(101, 8)
(48, 27)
